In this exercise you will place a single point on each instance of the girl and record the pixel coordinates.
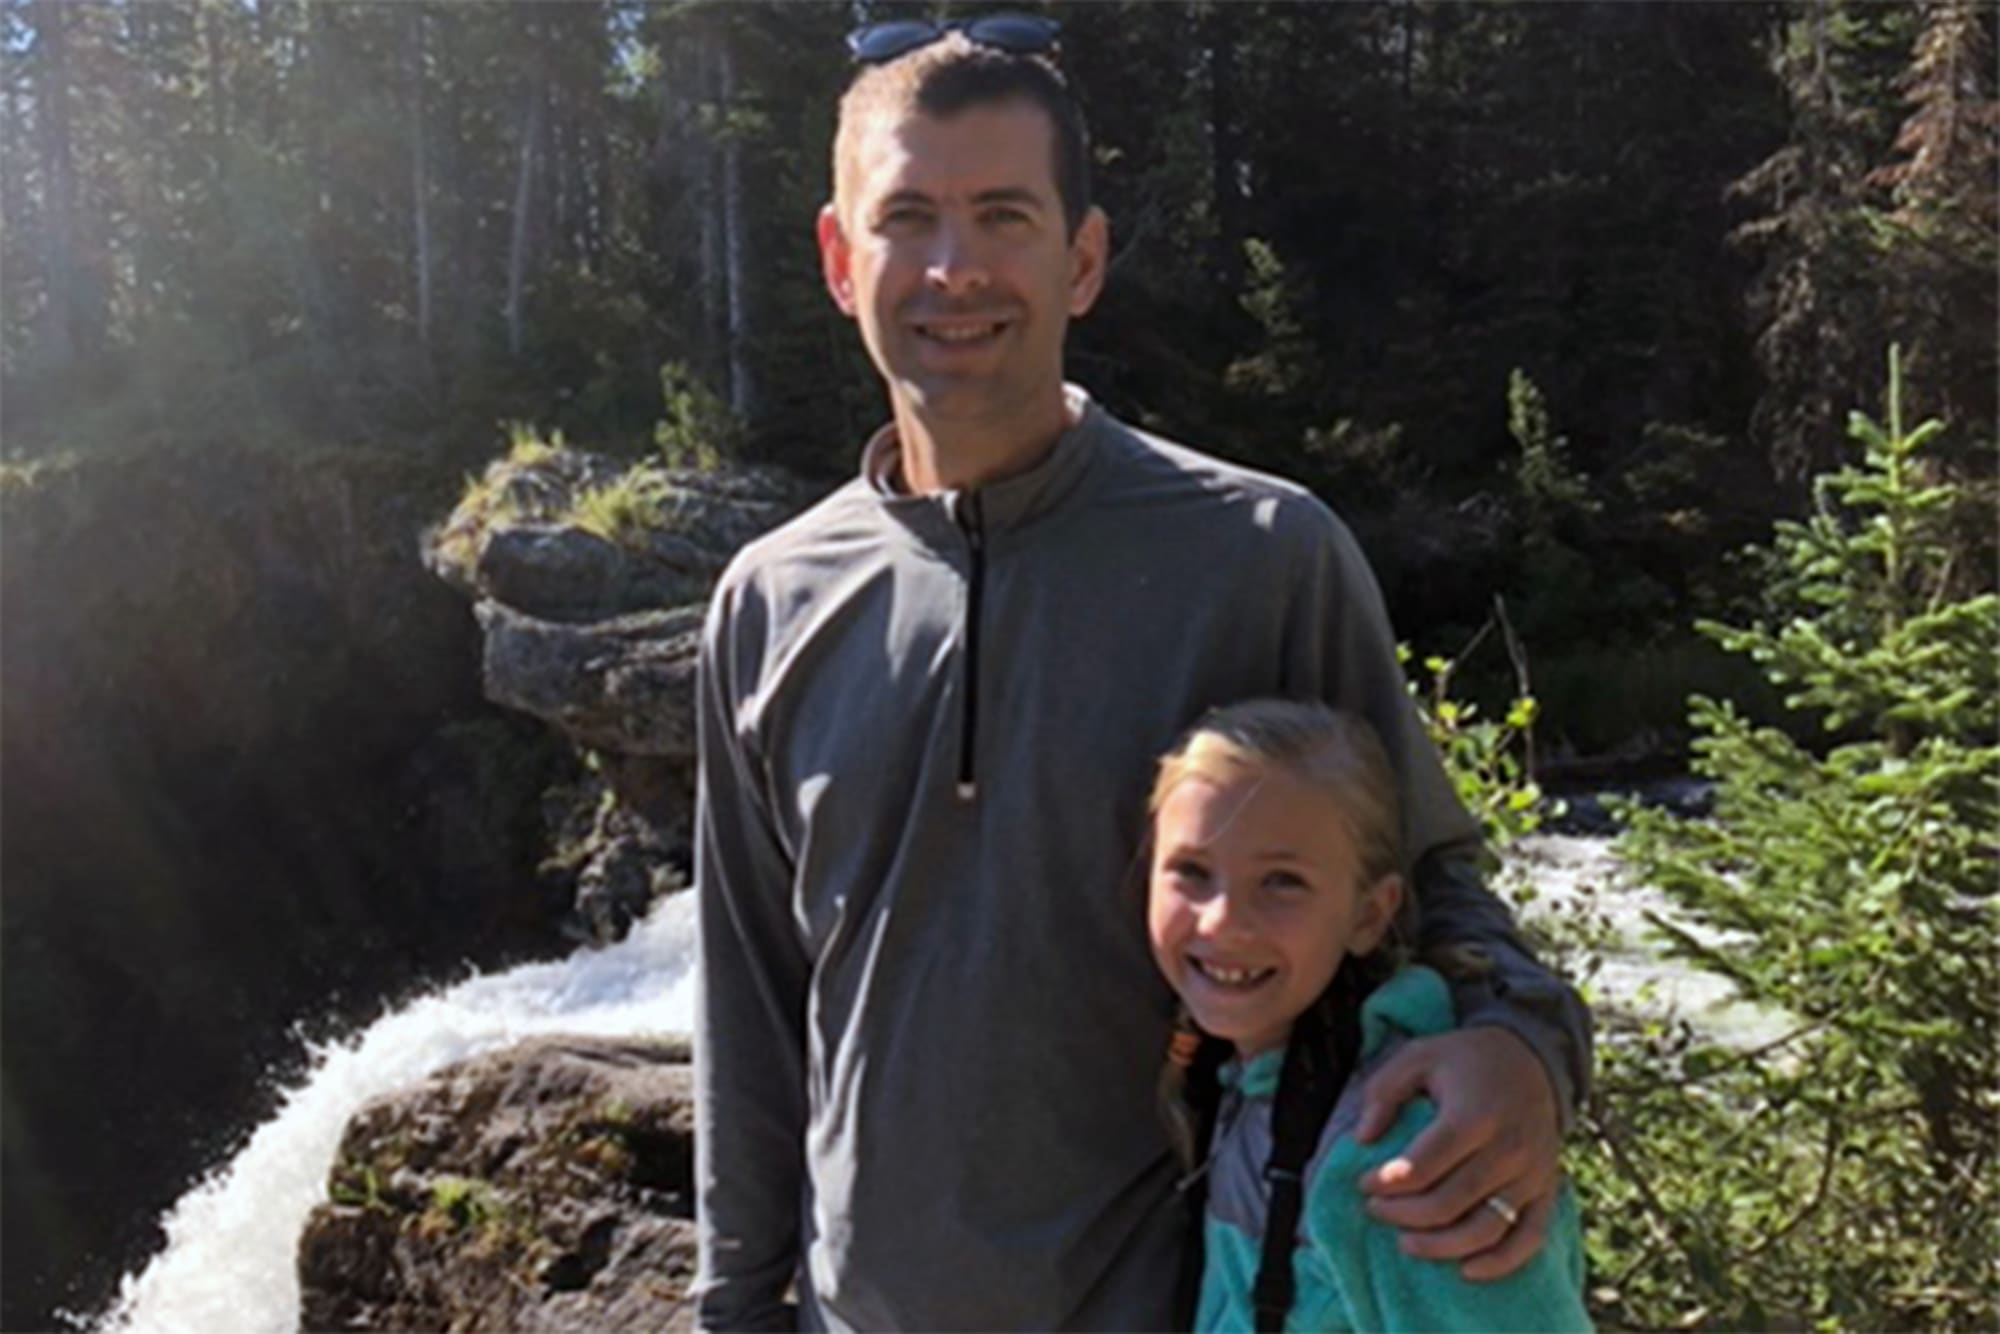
(1275, 878)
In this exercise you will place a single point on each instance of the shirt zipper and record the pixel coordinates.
(975, 536)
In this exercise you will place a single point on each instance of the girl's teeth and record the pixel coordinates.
(1231, 977)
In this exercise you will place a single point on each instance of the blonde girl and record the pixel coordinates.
(1275, 884)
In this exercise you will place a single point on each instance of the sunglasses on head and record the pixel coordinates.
(1016, 34)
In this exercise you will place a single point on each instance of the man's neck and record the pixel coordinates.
(961, 455)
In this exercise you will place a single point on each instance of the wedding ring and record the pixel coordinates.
(1498, 1204)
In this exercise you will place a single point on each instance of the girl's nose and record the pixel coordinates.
(1221, 914)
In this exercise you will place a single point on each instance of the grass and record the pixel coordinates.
(626, 510)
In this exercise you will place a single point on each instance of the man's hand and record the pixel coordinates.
(1496, 1137)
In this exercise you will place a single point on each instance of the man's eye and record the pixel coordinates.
(904, 217)
(1006, 216)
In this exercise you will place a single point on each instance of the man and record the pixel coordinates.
(930, 1030)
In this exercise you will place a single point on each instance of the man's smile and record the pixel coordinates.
(959, 332)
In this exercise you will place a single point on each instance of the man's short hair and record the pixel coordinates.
(945, 77)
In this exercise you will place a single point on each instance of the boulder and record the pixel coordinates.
(590, 581)
(564, 535)
(547, 1187)
(624, 685)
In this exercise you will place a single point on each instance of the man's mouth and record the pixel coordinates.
(1230, 978)
(961, 334)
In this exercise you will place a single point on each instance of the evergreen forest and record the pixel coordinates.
(1649, 348)
(1561, 303)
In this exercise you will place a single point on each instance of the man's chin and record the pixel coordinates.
(959, 397)
(969, 397)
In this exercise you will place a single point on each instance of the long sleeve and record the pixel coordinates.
(1519, 994)
(750, 1099)
(1383, 1289)
(1342, 647)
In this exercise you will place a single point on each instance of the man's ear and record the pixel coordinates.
(834, 260)
(1089, 252)
(1374, 912)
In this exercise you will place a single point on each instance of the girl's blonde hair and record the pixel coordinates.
(1337, 752)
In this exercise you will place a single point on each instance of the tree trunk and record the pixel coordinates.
(51, 21)
(270, 90)
(308, 274)
(742, 392)
(524, 198)
(708, 207)
(602, 193)
(420, 183)
(218, 100)
(1225, 153)
(1408, 28)
(560, 210)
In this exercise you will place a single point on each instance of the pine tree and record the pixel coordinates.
(1847, 1172)
(1817, 302)
(1942, 232)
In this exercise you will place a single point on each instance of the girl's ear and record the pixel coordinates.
(1374, 911)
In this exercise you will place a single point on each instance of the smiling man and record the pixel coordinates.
(962, 244)
(930, 1026)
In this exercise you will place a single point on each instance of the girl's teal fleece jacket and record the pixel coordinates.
(1348, 1270)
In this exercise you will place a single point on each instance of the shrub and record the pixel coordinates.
(697, 430)
(1841, 1176)
(1490, 761)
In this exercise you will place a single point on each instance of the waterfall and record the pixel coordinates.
(228, 1265)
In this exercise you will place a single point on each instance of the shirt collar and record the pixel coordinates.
(1011, 502)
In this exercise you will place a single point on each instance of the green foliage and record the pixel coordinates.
(1867, 632)
(1550, 487)
(697, 430)
(626, 509)
(1843, 1176)
(464, 1202)
(1488, 760)
(527, 447)
(1597, 698)
(359, 1185)
(1672, 463)
(1272, 299)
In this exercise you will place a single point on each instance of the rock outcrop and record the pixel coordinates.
(590, 582)
(548, 1187)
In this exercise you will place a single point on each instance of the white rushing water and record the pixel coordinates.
(1578, 877)
(227, 1267)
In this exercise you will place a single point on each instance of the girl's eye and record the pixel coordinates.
(1192, 872)
(1285, 880)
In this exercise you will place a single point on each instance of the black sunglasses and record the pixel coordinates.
(1016, 34)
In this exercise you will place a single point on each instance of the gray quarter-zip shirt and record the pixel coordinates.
(930, 1028)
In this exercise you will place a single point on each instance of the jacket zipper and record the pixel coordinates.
(975, 536)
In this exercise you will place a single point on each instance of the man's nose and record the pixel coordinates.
(955, 267)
